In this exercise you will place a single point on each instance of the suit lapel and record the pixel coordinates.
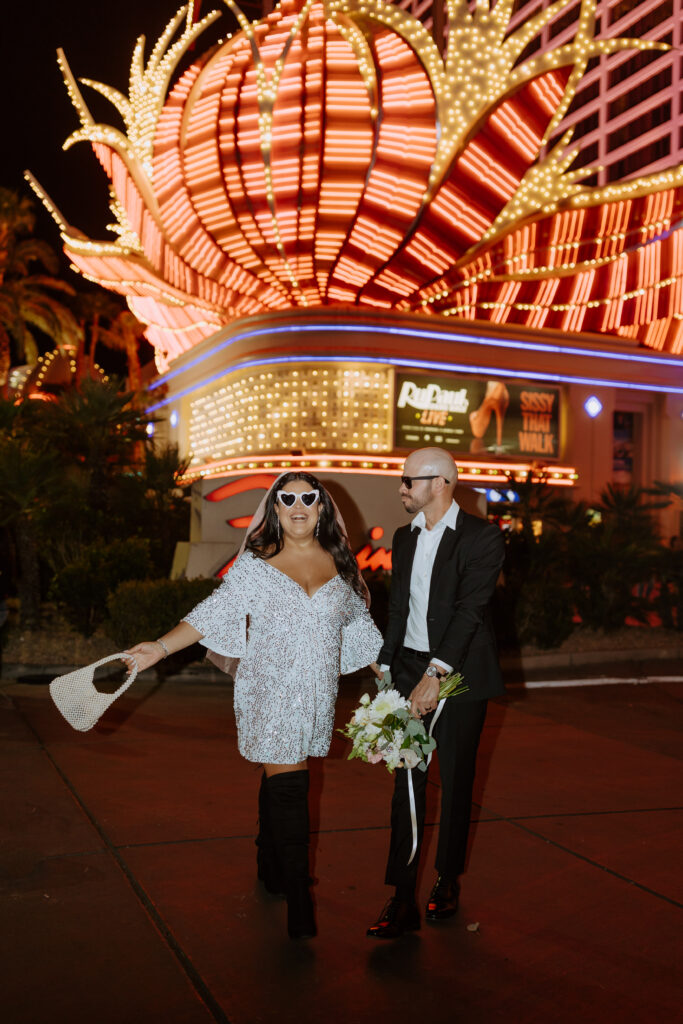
(408, 557)
(444, 552)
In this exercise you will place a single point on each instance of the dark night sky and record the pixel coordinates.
(37, 115)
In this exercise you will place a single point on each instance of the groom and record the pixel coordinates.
(445, 566)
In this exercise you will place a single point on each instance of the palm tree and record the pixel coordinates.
(629, 507)
(96, 427)
(124, 334)
(537, 502)
(612, 557)
(93, 310)
(166, 509)
(17, 217)
(29, 480)
(29, 301)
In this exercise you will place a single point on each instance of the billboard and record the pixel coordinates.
(469, 415)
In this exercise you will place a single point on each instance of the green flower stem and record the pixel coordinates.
(452, 685)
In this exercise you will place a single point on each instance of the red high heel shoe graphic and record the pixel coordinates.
(496, 399)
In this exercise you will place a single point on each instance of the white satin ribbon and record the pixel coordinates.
(411, 792)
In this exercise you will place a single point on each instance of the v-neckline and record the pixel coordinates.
(296, 584)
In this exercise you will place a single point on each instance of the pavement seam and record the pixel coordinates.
(489, 817)
(589, 814)
(195, 979)
(593, 863)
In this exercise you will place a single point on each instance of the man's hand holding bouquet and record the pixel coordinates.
(384, 730)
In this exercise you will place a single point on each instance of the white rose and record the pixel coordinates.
(371, 732)
(361, 716)
(410, 757)
(365, 700)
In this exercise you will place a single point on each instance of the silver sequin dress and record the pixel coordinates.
(291, 655)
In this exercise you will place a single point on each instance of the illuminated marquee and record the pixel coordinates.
(297, 406)
(477, 416)
(330, 154)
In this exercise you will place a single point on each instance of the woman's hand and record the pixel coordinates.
(145, 655)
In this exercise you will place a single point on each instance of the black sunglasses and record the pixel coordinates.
(407, 481)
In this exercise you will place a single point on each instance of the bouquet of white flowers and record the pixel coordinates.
(383, 729)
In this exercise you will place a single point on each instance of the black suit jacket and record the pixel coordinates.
(466, 567)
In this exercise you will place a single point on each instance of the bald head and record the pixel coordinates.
(436, 461)
(432, 491)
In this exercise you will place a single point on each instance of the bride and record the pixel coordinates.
(293, 611)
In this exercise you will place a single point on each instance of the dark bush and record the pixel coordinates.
(82, 588)
(543, 614)
(147, 609)
(534, 605)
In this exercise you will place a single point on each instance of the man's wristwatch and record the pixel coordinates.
(433, 672)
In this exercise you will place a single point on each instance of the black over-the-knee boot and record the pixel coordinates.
(288, 805)
(269, 869)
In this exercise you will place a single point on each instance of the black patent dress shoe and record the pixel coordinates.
(443, 900)
(397, 917)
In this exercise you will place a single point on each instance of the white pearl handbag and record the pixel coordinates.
(77, 699)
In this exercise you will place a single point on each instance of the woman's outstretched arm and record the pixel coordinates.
(149, 652)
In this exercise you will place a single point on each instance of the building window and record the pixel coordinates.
(624, 428)
(641, 158)
(649, 21)
(529, 50)
(517, 6)
(586, 156)
(634, 64)
(586, 125)
(640, 92)
(628, 132)
(622, 8)
(584, 96)
(567, 19)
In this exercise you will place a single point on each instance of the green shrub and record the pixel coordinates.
(535, 603)
(82, 588)
(147, 609)
(543, 614)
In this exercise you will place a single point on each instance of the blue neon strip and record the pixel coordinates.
(531, 346)
(415, 364)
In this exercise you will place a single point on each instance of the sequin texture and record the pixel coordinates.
(291, 655)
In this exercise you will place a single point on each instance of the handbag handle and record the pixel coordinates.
(127, 681)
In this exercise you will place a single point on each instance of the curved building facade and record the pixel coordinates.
(347, 242)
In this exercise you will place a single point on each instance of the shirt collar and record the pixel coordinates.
(447, 519)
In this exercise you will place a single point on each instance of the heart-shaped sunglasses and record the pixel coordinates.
(289, 498)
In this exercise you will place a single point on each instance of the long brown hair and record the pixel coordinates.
(266, 540)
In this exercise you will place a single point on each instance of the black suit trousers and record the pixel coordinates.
(457, 734)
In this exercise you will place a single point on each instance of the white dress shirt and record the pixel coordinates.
(417, 634)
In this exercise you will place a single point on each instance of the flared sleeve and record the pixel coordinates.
(222, 617)
(361, 640)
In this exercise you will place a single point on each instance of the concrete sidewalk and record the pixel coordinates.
(128, 868)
